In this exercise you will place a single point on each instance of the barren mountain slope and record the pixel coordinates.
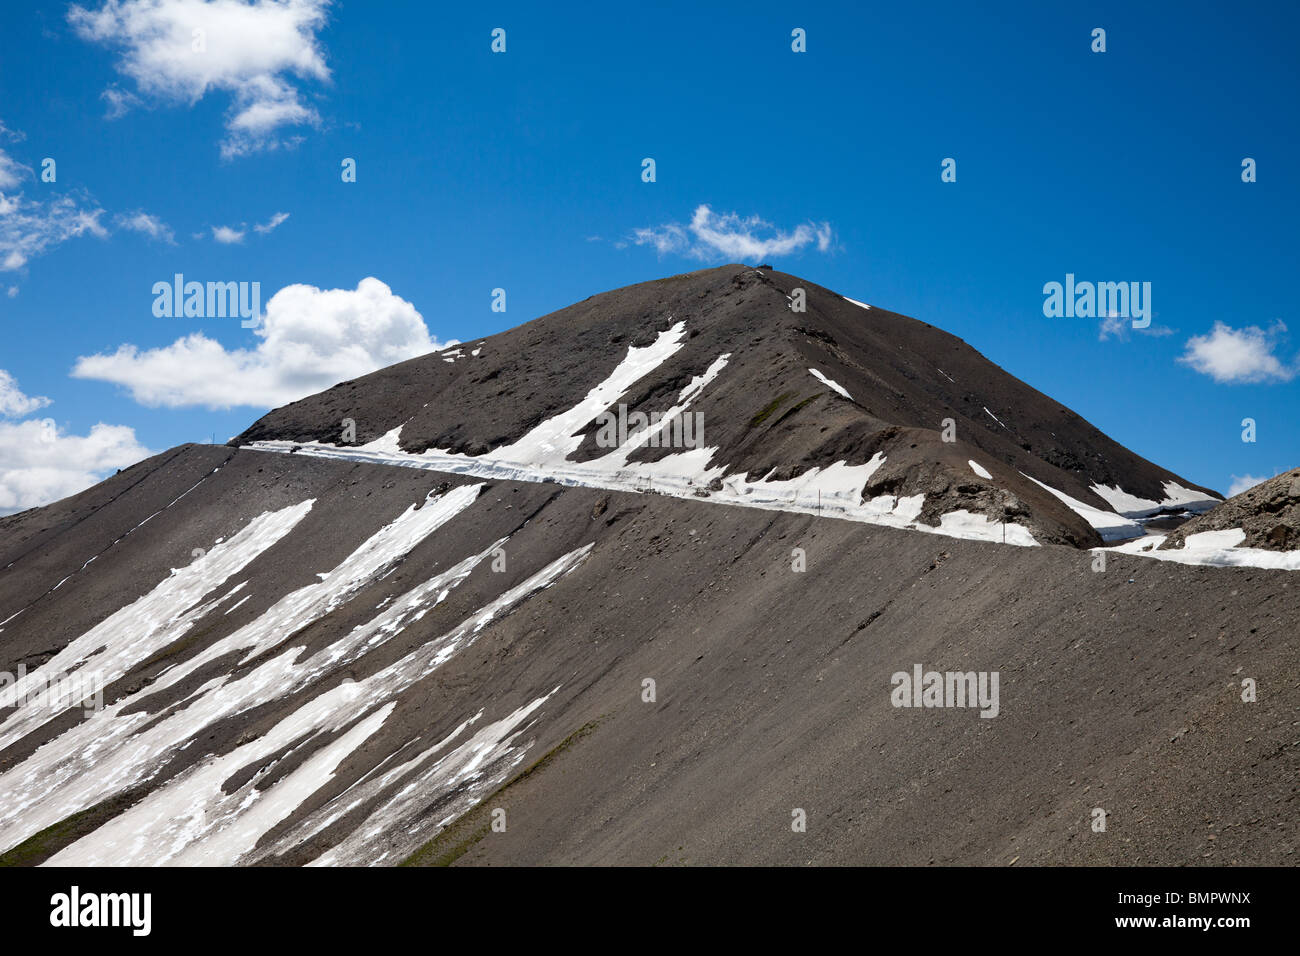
(361, 680)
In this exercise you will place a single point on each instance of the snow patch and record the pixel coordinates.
(1177, 498)
(828, 383)
(976, 527)
(1215, 549)
(1110, 526)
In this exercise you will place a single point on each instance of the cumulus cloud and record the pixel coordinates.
(147, 224)
(256, 51)
(228, 235)
(13, 403)
(309, 339)
(271, 223)
(1239, 356)
(40, 463)
(711, 235)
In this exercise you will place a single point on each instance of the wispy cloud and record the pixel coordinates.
(1119, 327)
(1242, 483)
(1239, 356)
(32, 227)
(271, 223)
(146, 224)
(29, 228)
(711, 236)
(120, 101)
(180, 50)
(12, 172)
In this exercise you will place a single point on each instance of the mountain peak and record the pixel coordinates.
(791, 396)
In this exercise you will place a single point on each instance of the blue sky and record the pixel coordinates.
(522, 170)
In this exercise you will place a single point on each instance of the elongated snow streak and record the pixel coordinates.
(452, 783)
(114, 750)
(113, 542)
(554, 439)
(191, 819)
(133, 634)
(829, 384)
(618, 458)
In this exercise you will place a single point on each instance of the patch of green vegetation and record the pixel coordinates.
(664, 859)
(769, 408)
(424, 855)
(554, 752)
(39, 847)
(457, 838)
(792, 410)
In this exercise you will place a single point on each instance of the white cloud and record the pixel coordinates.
(147, 224)
(119, 101)
(12, 172)
(1118, 326)
(228, 235)
(310, 339)
(13, 403)
(711, 235)
(181, 50)
(1113, 325)
(1238, 356)
(12, 292)
(271, 223)
(39, 463)
(29, 228)
(1242, 483)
